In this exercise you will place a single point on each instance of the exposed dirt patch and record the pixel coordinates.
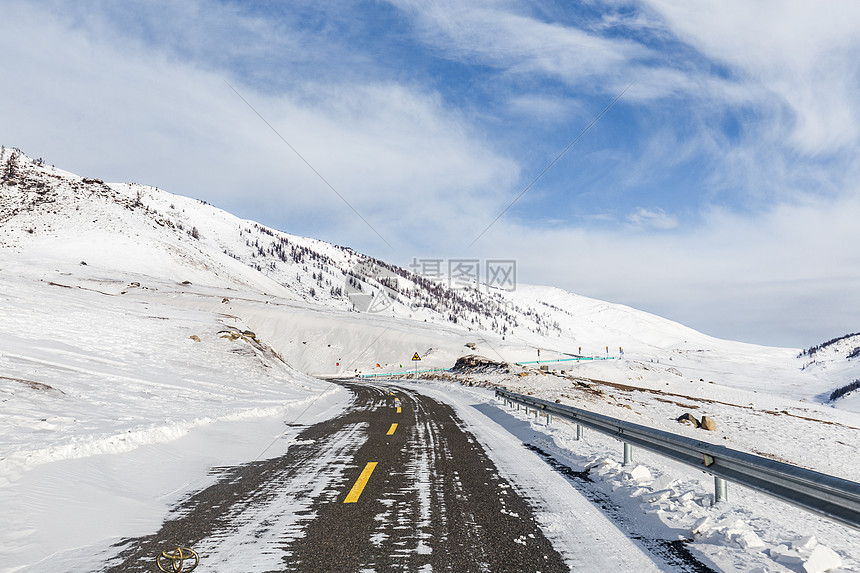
(33, 384)
(681, 404)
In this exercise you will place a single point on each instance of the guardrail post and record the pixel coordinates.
(628, 453)
(548, 419)
(537, 414)
(578, 432)
(720, 490)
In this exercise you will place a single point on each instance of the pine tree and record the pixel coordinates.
(10, 169)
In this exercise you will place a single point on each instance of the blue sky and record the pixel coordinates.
(721, 190)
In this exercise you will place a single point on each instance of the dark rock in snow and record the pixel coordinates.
(688, 418)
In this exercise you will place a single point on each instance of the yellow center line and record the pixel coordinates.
(398, 409)
(391, 429)
(356, 490)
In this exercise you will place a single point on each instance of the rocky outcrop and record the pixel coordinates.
(472, 363)
(706, 423)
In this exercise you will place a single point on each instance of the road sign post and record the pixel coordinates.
(415, 359)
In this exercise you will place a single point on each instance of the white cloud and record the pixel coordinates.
(498, 34)
(789, 276)
(545, 108)
(651, 219)
(804, 52)
(592, 57)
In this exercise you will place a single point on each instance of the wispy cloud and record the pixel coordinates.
(804, 53)
(503, 35)
(645, 219)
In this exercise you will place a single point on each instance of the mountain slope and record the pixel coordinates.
(140, 229)
(330, 310)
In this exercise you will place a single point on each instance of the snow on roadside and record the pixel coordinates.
(585, 537)
(668, 500)
(113, 407)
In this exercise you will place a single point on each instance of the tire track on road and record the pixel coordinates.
(433, 502)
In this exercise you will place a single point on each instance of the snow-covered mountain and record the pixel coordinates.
(331, 310)
(132, 228)
(838, 349)
(140, 229)
(837, 359)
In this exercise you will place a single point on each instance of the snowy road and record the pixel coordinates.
(396, 483)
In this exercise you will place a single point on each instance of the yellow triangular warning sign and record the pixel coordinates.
(416, 357)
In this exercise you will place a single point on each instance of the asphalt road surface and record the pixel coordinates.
(393, 484)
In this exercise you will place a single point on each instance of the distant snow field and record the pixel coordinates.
(146, 337)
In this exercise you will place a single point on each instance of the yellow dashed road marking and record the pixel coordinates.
(391, 429)
(356, 490)
(398, 409)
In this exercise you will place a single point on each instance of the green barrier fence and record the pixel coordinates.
(402, 373)
(408, 372)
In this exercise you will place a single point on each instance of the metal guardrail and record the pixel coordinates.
(832, 497)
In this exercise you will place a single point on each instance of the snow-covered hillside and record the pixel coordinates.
(60, 218)
(140, 229)
(328, 310)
